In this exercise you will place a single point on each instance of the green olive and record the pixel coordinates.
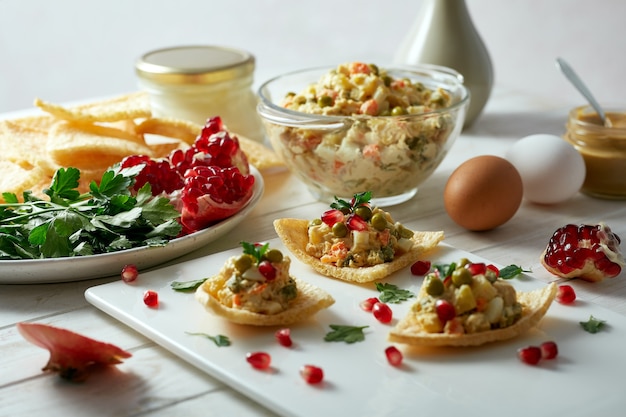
(433, 285)
(340, 229)
(274, 256)
(461, 276)
(363, 212)
(325, 101)
(243, 263)
(379, 221)
(398, 111)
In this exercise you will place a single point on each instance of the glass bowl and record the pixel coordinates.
(339, 156)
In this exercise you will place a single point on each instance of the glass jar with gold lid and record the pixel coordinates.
(603, 148)
(198, 82)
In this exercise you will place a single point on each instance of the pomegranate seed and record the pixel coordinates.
(259, 360)
(445, 310)
(355, 222)
(549, 350)
(312, 374)
(382, 312)
(129, 273)
(420, 268)
(368, 304)
(565, 294)
(267, 270)
(283, 336)
(529, 355)
(394, 356)
(493, 268)
(151, 298)
(330, 217)
(477, 268)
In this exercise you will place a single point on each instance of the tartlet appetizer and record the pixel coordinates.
(256, 288)
(354, 242)
(470, 306)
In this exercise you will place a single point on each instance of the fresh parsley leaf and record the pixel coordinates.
(593, 325)
(255, 250)
(348, 334)
(390, 293)
(185, 286)
(63, 187)
(219, 340)
(511, 271)
(445, 270)
(359, 199)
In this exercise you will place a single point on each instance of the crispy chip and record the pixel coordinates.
(294, 235)
(126, 107)
(22, 143)
(309, 301)
(87, 146)
(535, 305)
(15, 178)
(170, 128)
(259, 155)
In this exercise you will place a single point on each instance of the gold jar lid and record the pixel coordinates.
(194, 65)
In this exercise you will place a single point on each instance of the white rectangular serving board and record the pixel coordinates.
(586, 378)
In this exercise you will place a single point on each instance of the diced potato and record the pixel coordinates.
(482, 288)
(361, 241)
(493, 311)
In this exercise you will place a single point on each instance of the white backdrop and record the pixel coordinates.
(63, 50)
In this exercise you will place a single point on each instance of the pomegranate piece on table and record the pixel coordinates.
(71, 354)
(588, 252)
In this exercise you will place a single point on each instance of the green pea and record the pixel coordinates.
(433, 285)
(387, 80)
(315, 222)
(398, 111)
(461, 276)
(325, 101)
(404, 232)
(243, 263)
(363, 212)
(339, 229)
(274, 256)
(379, 221)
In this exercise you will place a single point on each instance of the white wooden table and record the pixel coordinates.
(155, 382)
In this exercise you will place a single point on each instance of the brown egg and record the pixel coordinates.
(483, 193)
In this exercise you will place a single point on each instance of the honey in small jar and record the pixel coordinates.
(603, 148)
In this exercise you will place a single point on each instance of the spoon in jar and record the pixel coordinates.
(568, 71)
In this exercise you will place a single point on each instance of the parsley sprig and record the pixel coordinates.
(257, 251)
(593, 325)
(220, 340)
(107, 218)
(359, 199)
(390, 293)
(348, 334)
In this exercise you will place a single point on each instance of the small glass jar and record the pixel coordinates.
(603, 149)
(198, 82)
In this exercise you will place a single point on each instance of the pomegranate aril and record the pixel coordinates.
(420, 268)
(445, 310)
(356, 223)
(493, 269)
(565, 294)
(530, 355)
(549, 350)
(477, 268)
(267, 270)
(394, 356)
(283, 336)
(312, 374)
(129, 273)
(151, 298)
(330, 217)
(259, 360)
(368, 303)
(382, 312)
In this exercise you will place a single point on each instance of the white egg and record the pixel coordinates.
(552, 170)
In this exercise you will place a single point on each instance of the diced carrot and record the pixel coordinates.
(237, 300)
(371, 151)
(369, 107)
(359, 68)
(259, 288)
(481, 304)
(384, 237)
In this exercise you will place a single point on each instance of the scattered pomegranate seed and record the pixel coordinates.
(420, 268)
(529, 355)
(368, 304)
(565, 294)
(382, 312)
(330, 217)
(283, 336)
(394, 356)
(312, 374)
(259, 360)
(445, 310)
(355, 222)
(267, 270)
(151, 298)
(549, 350)
(129, 273)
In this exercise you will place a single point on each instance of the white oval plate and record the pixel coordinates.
(78, 268)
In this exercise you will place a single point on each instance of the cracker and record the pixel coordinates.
(125, 107)
(294, 235)
(535, 305)
(309, 301)
(259, 155)
(16, 178)
(170, 128)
